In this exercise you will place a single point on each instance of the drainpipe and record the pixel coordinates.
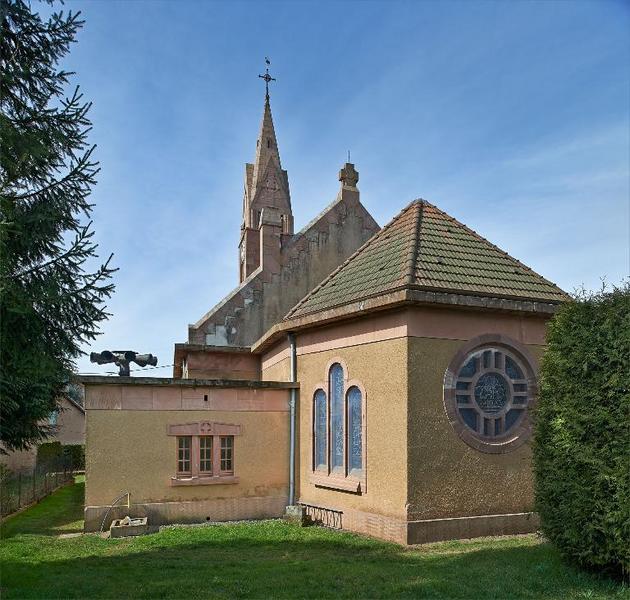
(292, 412)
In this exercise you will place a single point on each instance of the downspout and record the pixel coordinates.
(292, 420)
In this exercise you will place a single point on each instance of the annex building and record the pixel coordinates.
(377, 379)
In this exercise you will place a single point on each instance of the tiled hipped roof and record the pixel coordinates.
(424, 248)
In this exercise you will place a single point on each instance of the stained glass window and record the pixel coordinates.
(470, 368)
(320, 429)
(355, 430)
(338, 428)
(336, 416)
(489, 383)
(491, 392)
(512, 369)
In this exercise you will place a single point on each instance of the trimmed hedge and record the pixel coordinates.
(49, 453)
(582, 435)
(53, 455)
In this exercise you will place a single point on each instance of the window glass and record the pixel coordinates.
(227, 447)
(336, 416)
(491, 392)
(512, 369)
(205, 454)
(355, 430)
(470, 368)
(320, 429)
(183, 454)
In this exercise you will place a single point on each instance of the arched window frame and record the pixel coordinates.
(521, 432)
(316, 465)
(343, 478)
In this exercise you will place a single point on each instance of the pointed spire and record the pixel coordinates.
(266, 145)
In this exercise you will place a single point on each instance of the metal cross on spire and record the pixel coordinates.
(267, 77)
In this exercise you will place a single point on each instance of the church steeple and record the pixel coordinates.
(266, 196)
(266, 145)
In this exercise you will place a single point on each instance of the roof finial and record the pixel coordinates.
(267, 77)
(349, 176)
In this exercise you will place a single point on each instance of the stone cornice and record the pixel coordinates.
(404, 296)
(169, 381)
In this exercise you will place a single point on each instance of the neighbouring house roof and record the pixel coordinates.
(74, 403)
(423, 248)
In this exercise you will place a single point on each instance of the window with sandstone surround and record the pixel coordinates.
(227, 448)
(338, 432)
(184, 444)
(205, 453)
(489, 388)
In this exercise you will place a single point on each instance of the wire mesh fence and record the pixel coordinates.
(21, 489)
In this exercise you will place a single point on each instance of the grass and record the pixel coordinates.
(270, 559)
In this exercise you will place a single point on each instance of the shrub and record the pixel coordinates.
(54, 456)
(49, 455)
(74, 457)
(582, 435)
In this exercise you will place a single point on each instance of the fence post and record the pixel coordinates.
(20, 489)
(34, 497)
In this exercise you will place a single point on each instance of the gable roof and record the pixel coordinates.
(424, 248)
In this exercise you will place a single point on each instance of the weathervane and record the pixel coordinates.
(267, 77)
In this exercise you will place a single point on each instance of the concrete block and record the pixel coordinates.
(294, 513)
(128, 527)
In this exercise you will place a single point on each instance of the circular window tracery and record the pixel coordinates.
(488, 389)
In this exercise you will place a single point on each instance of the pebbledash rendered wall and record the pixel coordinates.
(423, 483)
(456, 491)
(129, 449)
(373, 352)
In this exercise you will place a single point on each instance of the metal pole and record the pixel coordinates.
(292, 414)
(19, 490)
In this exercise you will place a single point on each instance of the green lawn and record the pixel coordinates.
(270, 559)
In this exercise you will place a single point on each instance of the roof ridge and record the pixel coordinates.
(480, 237)
(376, 236)
(415, 242)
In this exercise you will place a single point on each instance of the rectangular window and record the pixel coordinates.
(184, 444)
(205, 454)
(227, 450)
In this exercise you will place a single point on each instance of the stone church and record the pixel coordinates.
(378, 380)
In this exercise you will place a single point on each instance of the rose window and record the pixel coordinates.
(487, 393)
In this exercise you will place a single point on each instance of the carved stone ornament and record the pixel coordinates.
(349, 176)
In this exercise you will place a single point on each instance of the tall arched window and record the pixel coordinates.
(338, 432)
(355, 429)
(336, 416)
(320, 429)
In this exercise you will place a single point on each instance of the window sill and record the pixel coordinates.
(332, 482)
(225, 479)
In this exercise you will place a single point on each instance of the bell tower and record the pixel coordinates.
(267, 215)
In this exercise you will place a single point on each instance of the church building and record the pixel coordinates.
(379, 380)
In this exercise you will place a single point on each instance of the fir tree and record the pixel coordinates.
(51, 301)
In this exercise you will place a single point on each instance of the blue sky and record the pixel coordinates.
(511, 116)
